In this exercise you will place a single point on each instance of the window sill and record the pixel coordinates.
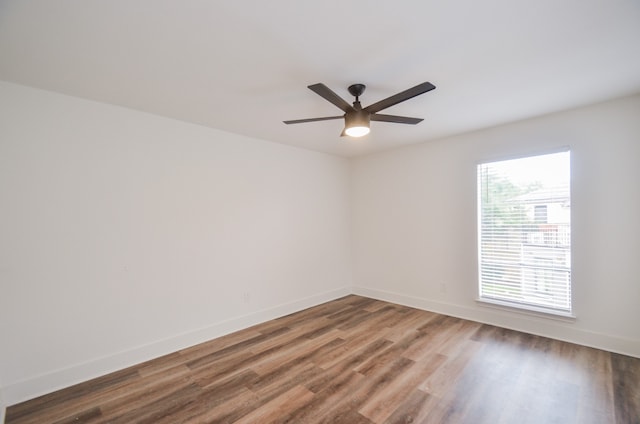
(527, 310)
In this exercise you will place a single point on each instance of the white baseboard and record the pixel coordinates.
(555, 329)
(56, 380)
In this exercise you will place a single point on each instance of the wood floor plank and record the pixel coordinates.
(413, 409)
(202, 349)
(82, 417)
(237, 348)
(378, 408)
(446, 377)
(357, 360)
(407, 322)
(277, 410)
(20, 413)
(626, 388)
(391, 353)
(368, 388)
(142, 392)
(445, 342)
(246, 402)
(325, 396)
(353, 345)
(168, 405)
(278, 365)
(376, 305)
(347, 363)
(347, 417)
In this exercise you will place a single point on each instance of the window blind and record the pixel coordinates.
(524, 214)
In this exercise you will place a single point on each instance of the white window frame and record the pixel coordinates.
(520, 305)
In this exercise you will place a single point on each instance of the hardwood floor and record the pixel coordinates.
(357, 360)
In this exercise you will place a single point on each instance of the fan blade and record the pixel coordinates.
(325, 92)
(301, 121)
(400, 97)
(393, 118)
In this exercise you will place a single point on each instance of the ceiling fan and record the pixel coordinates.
(357, 119)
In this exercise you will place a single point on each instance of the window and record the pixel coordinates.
(540, 213)
(524, 212)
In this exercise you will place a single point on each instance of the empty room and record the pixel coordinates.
(319, 212)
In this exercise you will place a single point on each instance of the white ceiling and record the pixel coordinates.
(244, 65)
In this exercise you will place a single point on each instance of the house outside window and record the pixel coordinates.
(540, 213)
(524, 213)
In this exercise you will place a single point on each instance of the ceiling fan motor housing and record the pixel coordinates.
(357, 118)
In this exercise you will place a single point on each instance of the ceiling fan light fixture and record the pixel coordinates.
(357, 124)
(357, 131)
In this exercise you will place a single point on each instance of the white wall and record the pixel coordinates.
(2, 406)
(415, 232)
(125, 235)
